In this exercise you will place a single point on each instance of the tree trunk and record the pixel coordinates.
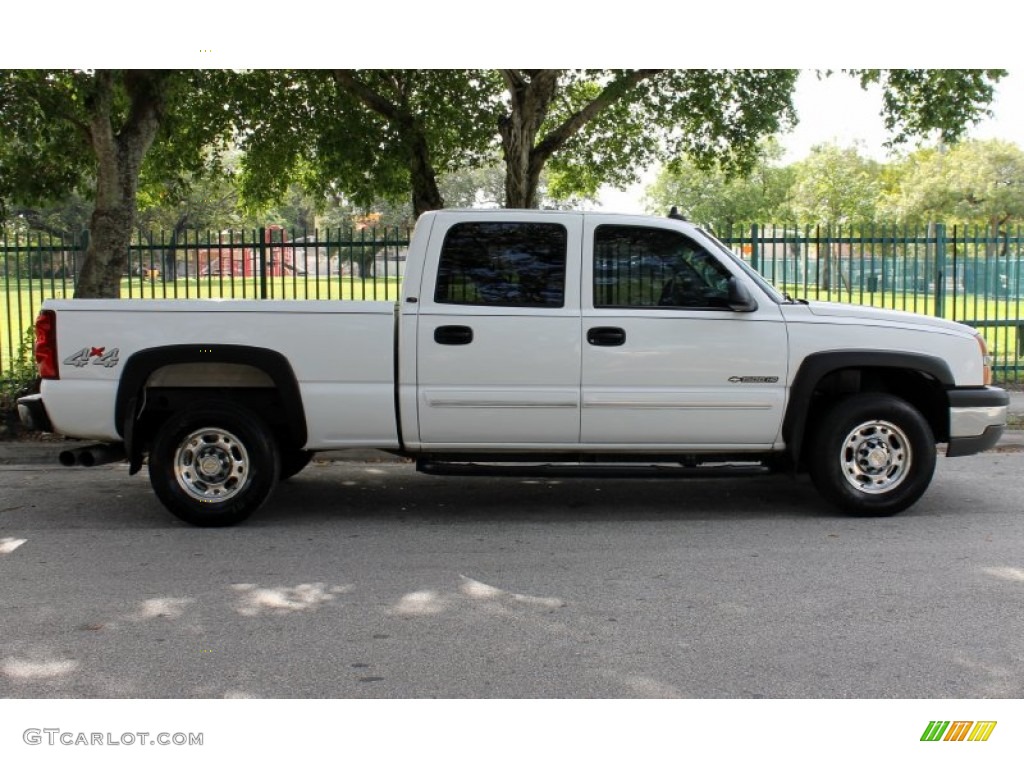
(119, 156)
(110, 232)
(425, 194)
(530, 95)
(529, 100)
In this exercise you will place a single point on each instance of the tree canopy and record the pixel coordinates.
(724, 201)
(974, 182)
(979, 182)
(364, 135)
(64, 131)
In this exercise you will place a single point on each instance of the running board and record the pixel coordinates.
(589, 469)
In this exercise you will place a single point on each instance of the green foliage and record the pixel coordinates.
(46, 151)
(304, 126)
(606, 126)
(722, 201)
(329, 145)
(20, 377)
(209, 200)
(920, 102)
(719, 117)
(467, 188)
(43, 145)
(975, 182)
(64, 219)
(835, 186)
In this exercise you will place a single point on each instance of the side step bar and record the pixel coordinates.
(589, 469)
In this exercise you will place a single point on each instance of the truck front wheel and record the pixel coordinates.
(214, 464)
(873, 455)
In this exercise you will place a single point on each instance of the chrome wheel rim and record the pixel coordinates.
(211, 465)
(876, 457)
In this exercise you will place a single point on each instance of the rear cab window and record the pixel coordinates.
(503, 264)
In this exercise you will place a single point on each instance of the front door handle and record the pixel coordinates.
(606, 337)
(453, 334)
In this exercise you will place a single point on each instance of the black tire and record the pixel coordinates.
(293, 462)
(214, 464)
(873, 455)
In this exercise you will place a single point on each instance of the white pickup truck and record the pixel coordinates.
(521, 338)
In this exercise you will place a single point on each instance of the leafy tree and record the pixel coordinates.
(603, 126)
(723, 201)
(483, 187)
(369, 134)
(364, 134)
(920, 102)
(372, 134)
(835, 186)
(585, 127)
(978, 182)
(210, 201)
(63, 220)
(92, 132)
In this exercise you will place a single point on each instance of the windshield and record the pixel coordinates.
(754, 275)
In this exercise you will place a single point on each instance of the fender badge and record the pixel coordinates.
(94, 355)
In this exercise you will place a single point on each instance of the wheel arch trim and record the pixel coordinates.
(817, 366)
(141, 365)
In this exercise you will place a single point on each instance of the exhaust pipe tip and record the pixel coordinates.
(92, 455)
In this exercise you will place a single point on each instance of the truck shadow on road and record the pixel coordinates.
(397, 492)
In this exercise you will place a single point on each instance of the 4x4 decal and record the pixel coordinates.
(94, 355)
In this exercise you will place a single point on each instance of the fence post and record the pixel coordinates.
(755, 252)
(940, 270)
(263, 262)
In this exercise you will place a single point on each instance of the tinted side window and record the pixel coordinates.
(503, 264)
(645, 267)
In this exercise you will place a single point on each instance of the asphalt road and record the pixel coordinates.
(368, 580)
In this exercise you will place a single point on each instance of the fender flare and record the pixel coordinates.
(140, 366)
(817, 366)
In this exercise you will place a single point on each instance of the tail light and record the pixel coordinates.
(46, 344)
(986, 360)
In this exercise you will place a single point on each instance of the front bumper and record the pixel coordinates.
(977, 418)
(33, 413)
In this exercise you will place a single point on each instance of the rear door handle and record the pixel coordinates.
(606, 337)
(453, 334)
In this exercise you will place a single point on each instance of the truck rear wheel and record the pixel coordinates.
(214, 464)
(873, 455)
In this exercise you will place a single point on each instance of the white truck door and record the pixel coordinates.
(666, 362)
(498, 332)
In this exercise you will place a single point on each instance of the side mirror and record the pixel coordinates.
(740, 299)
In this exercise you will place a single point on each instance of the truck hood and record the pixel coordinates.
(875, 316)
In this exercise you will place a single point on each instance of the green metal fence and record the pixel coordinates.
(966, 274)
(270, 263)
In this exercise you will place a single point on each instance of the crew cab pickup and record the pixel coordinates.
(522, 338)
